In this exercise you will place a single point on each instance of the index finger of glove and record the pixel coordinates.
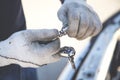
(41, 35)
(62, 15)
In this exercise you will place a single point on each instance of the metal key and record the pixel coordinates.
(68, 52)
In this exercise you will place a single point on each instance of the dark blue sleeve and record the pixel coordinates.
(62, 1)
(11, 18)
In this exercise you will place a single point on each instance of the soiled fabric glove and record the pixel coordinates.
(81, 20)
(30, 48)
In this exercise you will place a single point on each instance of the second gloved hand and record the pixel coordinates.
(30, 48)
(81, 20)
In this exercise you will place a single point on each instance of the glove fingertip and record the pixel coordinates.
(54, 33)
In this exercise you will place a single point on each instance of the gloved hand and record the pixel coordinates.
(80, 18)
(30, 48)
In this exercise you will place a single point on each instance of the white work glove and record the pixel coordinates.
(80, 18)
(30, 48)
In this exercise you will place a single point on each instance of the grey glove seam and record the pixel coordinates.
(22, 61)
(78, 27)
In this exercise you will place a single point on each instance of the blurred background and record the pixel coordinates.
(43, 14)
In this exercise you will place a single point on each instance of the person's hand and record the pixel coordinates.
(30, 48)
(80, 18)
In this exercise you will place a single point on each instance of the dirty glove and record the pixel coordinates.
(30, 48)
(80, 18)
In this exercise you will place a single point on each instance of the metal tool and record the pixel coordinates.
(71, 59)
(68, 52)
(63, 32)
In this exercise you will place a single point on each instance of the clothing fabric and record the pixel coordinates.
(62, 1)
(12, 20)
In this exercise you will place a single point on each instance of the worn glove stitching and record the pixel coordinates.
(78, 27)
(22, 61)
